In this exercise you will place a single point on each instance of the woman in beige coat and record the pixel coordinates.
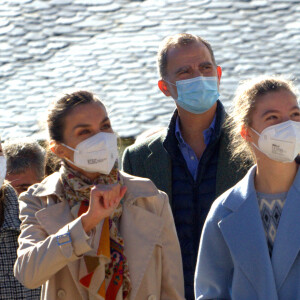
(90, 231)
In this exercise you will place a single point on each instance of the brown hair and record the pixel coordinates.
(244, 104)
(174, 41)
(62, 107)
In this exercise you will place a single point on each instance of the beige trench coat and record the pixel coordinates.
(147, 226)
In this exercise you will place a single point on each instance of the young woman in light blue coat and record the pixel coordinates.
(250, 243)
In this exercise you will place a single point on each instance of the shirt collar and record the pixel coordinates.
(207, 133)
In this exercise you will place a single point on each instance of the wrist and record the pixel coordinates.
(87, 223)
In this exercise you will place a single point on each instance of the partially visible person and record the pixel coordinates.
(190, 160)
(25, 163)
(250, 243)
(90, 231)
(10, 288)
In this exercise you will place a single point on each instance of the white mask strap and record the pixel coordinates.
(74, 150)
(68, 160)
(170, 82)
(255, 131)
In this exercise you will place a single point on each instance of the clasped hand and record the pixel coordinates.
(104, 199)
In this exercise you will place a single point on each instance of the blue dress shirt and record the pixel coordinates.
(188, 153)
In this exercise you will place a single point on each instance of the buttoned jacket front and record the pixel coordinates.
(234, 262)
(150, 242)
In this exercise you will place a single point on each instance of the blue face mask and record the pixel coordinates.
(197, 95)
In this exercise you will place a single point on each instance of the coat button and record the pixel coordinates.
(61, 294)
(152, 297)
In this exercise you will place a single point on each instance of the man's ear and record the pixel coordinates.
(219, 73)
(163, 87)
(57, 149)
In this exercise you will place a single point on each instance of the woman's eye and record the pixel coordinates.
(296, 114)
(85, 131)
(106, 126)
(271, 117)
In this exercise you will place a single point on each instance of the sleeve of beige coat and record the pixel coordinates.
(41, 255)
(172, 272)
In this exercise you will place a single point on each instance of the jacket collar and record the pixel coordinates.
(140, 228)
(158, 164)
(244, 233)
(242, 191)
(287, 241)
(135, 187)
(170, 141)
(51, 185)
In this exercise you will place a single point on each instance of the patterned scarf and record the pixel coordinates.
(104, 274)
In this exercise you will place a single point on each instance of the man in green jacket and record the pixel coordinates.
(190, 160)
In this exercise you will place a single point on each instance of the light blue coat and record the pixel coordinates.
(233, 259)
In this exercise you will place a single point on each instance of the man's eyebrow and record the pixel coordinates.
(181, 69)
(206, 63)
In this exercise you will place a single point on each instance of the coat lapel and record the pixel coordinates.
(158, 166)
(54, 217)
(287, 242)
(141, 231)
(244, 234)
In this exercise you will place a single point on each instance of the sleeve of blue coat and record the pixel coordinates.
(214, 268)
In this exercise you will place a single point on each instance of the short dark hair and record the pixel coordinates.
(22, 155)
(178, 40)
(62, 107)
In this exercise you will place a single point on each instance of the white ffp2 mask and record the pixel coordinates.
(96, 154)
(280, 142)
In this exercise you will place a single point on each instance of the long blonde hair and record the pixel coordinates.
(244, 104)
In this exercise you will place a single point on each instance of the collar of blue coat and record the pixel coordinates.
(244, 189)
(136, 187)
(242, 229)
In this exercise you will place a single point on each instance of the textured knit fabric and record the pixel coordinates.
(192, 198)
(104, 272)
(188, 153)
(10, 288)
(271, 206)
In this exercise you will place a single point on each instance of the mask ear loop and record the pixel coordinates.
(74, 150)
(256, 146)
(244, 134)
(170, 82)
